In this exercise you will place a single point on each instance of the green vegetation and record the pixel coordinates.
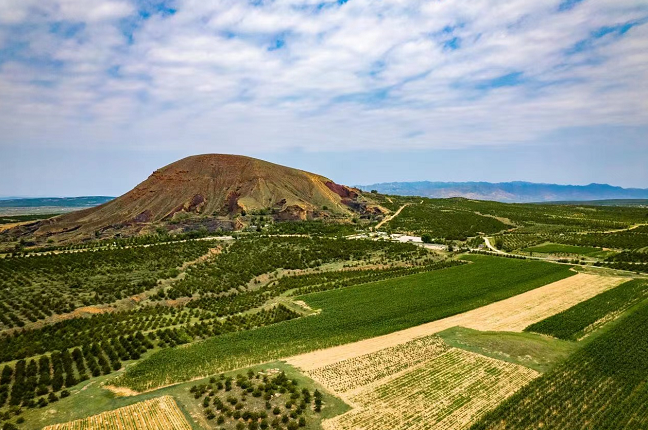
(351, 314)
(579, 320)
(536, 352)
(602, 386)
(257, 401)
(552, 248)
(38, 287)
(443, 223)
(246, 259)
(316, 228)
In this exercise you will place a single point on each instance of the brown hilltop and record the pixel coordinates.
(215, 186)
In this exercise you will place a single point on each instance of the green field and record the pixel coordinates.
(554, 248)
(537, 352)
(581, 319)
(602, 386)
(351, 314)
(90, 398)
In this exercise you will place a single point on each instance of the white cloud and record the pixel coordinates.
(366, 74)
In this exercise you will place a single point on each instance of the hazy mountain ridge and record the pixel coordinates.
(68, 202)
(509, 192)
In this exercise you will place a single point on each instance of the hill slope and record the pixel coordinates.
(218, 187)
(509, 192)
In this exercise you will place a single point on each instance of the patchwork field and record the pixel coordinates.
(161, 413)
(352, 314)
(511, 314)
(447, 392)
(602, 386)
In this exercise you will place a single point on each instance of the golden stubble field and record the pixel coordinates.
(161, 413)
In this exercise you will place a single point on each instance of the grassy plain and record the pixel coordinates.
(537, 352)
(351, 314)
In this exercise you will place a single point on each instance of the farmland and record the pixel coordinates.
(161, 413)
(433, 396)
(386, 327)
(600, 386)
(351, 314)
(563, 249)
(576, 322)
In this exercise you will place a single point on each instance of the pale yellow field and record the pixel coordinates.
(350, 374)
(449, 392)
(161, 413)
(512, 314)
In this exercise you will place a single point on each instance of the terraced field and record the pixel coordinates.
(161, 413)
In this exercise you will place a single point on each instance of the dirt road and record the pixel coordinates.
(389, 218)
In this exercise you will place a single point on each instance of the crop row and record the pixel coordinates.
(246, 259)
(161, 413)
(359, 371)
(577, 321)
(351, 314)
(447, 392)
(443, 223)
(602, 386)
(35, 287)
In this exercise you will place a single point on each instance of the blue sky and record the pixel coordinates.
(95, 94)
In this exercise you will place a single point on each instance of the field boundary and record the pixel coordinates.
(521, 311)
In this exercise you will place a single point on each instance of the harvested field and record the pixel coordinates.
(161, 413)
(359, 371)
(512, 314)
(450, 391)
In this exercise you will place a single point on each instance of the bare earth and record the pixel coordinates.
(512, 314)
(161, 413)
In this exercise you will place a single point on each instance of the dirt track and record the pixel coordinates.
(512, 314)
(389, 218)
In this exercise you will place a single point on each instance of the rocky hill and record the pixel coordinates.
(214, 191)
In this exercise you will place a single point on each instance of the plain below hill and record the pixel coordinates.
(509, 192)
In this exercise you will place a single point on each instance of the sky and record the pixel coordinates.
(96, 94)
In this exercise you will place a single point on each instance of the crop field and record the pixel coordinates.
(449, 392)
(577, 321)
(407, 336)
(511, 314)
(351, 314)
(601, 386)
(257, 400)
(444, 223)
(161, 413)
(356, 372)
(552, 248)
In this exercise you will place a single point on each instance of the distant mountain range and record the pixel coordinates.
(53, 202)
(509, 192)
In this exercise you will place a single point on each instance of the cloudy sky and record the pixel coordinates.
(95, 94)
